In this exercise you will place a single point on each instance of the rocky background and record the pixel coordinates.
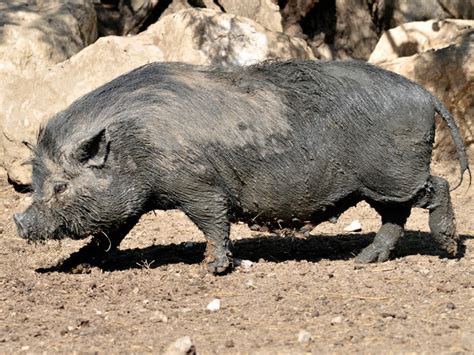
(52, 52)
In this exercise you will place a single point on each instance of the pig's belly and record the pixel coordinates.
(292, 197)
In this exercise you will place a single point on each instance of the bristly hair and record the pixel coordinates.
(30, 146)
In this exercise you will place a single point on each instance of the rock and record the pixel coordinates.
(229, 343)
(264, 12)
(26, 102)
(450, 305)
(337, 320)
(396, 12)
(304, 336)
(204, 36)
(182, 346)
(448, 73)
(293, 13)
(159, 316)
(214, 305)
(355, 226)
(123, 17)
(416, 37)
(245, 265)
(340, 29)
(43, 32)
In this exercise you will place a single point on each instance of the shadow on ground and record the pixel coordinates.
(272, 249)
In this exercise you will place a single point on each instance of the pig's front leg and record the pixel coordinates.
(210, 214)
(95, 252)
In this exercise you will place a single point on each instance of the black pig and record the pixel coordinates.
(273, 143)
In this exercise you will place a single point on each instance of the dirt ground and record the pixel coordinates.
(299, 295)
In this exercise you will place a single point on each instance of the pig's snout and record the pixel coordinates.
(24, 224)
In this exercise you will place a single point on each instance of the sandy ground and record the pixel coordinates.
(153, 290)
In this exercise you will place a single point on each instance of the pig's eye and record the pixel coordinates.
(60, 187)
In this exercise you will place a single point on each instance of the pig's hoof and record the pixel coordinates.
(450, 245)
(371, 254)
(219, 266)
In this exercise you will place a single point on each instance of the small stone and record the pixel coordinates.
(182, 346)
(214, 305)
(189, 244)
(355, 226)
(250, 284)
(450, 305)
(246, 264)
(159, 316)
(229, 343)
(304, 336)
(336, 320)
(424, 271)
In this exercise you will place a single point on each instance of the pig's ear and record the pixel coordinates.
(94, 150)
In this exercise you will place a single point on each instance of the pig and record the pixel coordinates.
(276, 143)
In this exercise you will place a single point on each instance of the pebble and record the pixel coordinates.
(182, 346)
(250, 284)
(159, 316)
(355, 226)
(304, 336)
(214, 305)
(336, 320)
(450, 305)
(229, 343)
(244, 265)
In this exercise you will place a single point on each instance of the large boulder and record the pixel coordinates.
(340, 29)
(264, 12)
(293, 12)
(27, 102)
(448, 72)
(392, 13)
(38, 33)
(193, 36)
(123, 17)
(417, 37)
(205, 36)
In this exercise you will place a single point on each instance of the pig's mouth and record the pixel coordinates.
(29, 227)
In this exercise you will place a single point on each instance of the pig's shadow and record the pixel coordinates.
(272, 249)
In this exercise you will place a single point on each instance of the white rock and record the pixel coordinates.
(250, 284)
(355, 226)
(304, 336)
(214, 305)
(159, 316)
(245, 265)
(181, 346)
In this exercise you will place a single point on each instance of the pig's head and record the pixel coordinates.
(76, 190)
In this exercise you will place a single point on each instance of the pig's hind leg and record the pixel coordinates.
(437, 200)
(394, 218)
